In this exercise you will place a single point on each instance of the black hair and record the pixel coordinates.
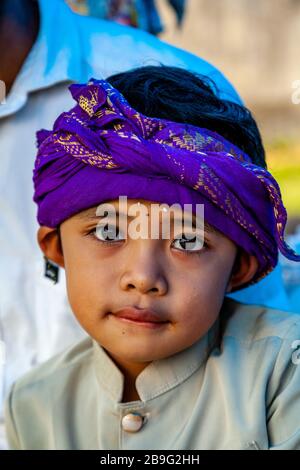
(179, 95)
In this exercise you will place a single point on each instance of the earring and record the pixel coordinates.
(51, 270)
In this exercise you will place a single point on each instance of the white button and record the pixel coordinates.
(132, 422)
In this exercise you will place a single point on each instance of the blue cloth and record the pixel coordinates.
(270, 291)
(98, 8)
(291, 273)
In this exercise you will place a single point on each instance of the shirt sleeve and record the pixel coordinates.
(10, 424)
(283, 411)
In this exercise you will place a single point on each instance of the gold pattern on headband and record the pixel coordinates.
(104, 112)
(75, 148)
(228, 203)
(118, 127)
(72, 116)
(88, 104)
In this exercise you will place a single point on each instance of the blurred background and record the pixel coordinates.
(256, 44)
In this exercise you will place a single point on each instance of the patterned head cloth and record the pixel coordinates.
(103, 148)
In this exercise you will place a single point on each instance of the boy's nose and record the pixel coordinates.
(145, 275)
(143, 284)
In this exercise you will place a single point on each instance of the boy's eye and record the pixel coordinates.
(188, 243)
(108, 233)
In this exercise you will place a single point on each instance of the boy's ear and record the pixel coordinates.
(243, 271)
(50, 243)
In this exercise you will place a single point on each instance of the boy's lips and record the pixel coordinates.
(141, 316)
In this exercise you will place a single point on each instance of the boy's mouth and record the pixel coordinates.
(141, 317)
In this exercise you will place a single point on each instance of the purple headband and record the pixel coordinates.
(103, 148)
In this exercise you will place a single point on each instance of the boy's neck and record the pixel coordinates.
(129, 392)
(130, 371)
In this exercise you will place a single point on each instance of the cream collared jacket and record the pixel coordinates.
(238, 387)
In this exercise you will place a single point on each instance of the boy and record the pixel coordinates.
(168, 363)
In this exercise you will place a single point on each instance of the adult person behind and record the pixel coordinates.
(46, 47)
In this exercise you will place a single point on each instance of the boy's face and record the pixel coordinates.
(184, 287)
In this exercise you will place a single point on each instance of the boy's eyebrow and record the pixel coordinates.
(91, 216)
